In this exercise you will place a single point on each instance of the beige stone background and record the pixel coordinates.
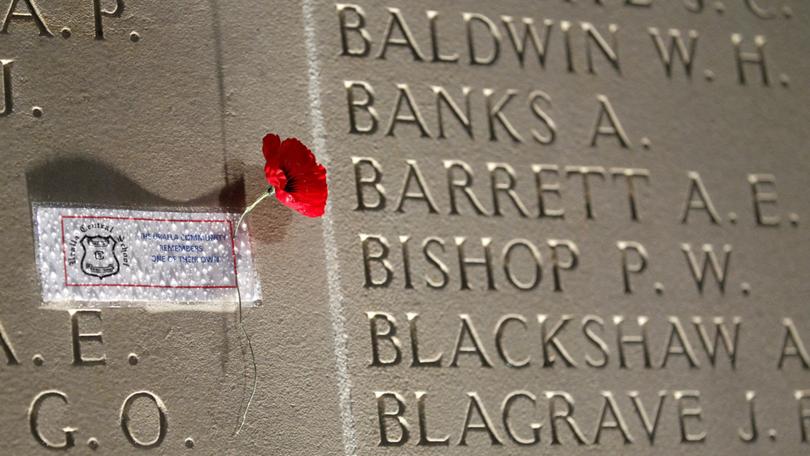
(175, 120)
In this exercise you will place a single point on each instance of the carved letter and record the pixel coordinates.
(33, 422)
(595, 340)
(804, 414)
(417, 360)
(366, 105)
(630, 175)
(78, 337)
(8, 96)
(33, 14)
(615, 126)
(358, 26)
(406, 261)
(753, 434)
(500, 328)
(507, 188)
(433, 17)
(537, 261)
(373, 182)
(592, 37)
(759, 11)
(98, 12)
(163, 422)
(380, 258)
(586, 172)
(761, 198)
(750, 58)
(389, 335)
(424, 437)
(477, 348)
(650, 426)
(694, 6)
(676, 46)
(550, 342)
(494, 115)
(8, 349)
(541, 115)
(622, 340)
(636, 268)
(507, 425)
(475, 59)
(611, 418)
(685, 413)
(709, 258)
(696, 188)
(422, 194)
(557, 264)
(442, 97)
(555, 415)
(462, 184)
(407, 39)
(412, 116)
(529, 31)
(486, 262)
(730, 342)
(485, 425)
(383, 416)
(678, 344)
(793, 346)
(436, 262)
(543, 188)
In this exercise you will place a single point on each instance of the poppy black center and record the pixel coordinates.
(290, 186)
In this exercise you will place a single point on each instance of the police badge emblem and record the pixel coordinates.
(98, 258)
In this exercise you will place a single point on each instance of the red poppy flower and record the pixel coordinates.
(297, 177)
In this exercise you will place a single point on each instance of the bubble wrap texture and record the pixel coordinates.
(99, 257)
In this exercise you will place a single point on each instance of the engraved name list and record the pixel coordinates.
(548, 266)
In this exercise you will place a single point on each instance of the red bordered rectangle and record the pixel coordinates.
(147, 219)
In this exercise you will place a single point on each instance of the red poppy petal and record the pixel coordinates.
(275, 176)
(296, 157)
(271, 147)
(296, 175)
(313, 180)
(308, 204)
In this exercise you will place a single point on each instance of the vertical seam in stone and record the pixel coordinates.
(330, 248)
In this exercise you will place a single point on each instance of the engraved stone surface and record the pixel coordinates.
(558, 227)
(556, 236)
(173, 121)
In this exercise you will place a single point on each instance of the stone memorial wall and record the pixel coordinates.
(554, 227)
